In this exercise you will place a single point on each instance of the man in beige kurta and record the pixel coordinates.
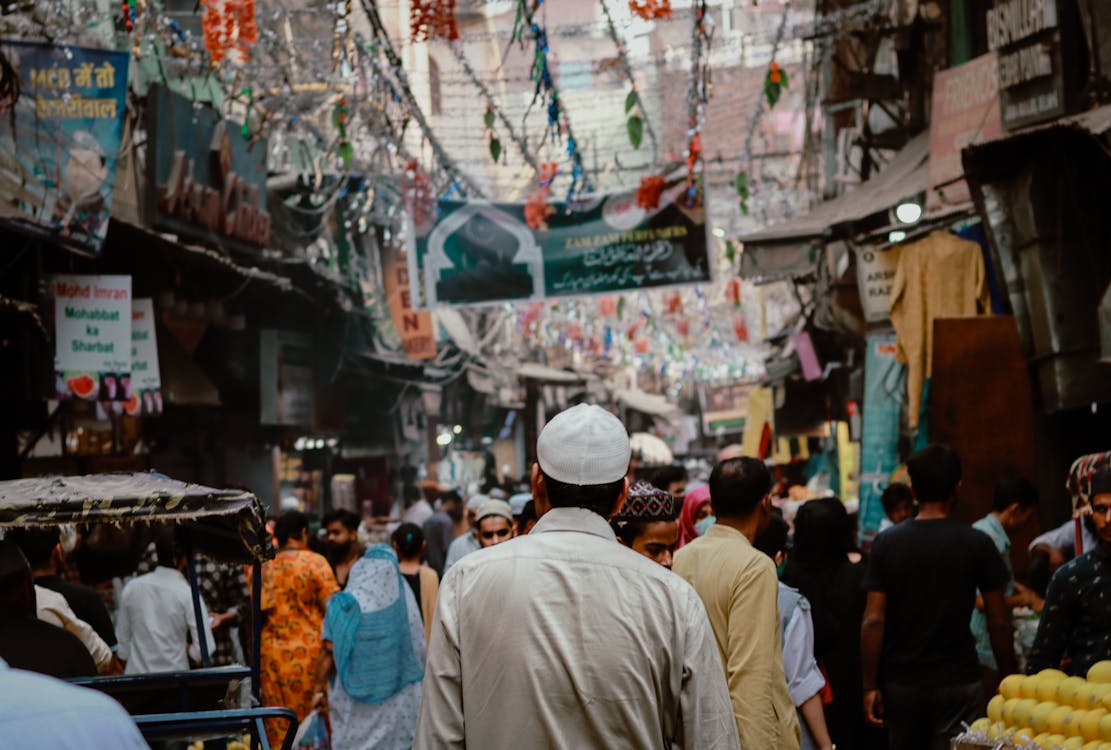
(738, 585)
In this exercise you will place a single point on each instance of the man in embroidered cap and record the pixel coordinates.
(595, 645)
(646, 523)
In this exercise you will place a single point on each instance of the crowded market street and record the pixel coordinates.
(571, 374)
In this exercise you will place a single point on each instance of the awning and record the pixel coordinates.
(1095, 121)
(649, 403)
(791, 247)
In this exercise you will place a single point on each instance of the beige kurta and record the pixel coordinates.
(739, 587)
(566, 639)
(940, 276)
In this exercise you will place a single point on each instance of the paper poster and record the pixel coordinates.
(146, 380)
(884, 395)
(92, 332)
(477, 252)
(58, 163)
(418, 337)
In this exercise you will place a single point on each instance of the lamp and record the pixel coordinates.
(896, 235)
(908, 212)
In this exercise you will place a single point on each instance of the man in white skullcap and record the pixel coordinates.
(566, 638)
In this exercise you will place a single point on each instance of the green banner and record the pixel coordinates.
(477, 252)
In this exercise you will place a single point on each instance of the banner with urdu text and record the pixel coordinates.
(477, 252)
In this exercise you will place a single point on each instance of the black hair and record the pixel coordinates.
(37, 543)
(451, 496)
(16, 585)
(410, 493)
(628, 531)
(408, 538)
(168, 547)
(935, 472)
(662, 476)
(894, 494)
(290, 524)
(528, 513)
(349, 519)
(1013, 489)
(738, 485)
(599, 498)
(773, 539)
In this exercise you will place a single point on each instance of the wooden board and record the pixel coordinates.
(981, 403)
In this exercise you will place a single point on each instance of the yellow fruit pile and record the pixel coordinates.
(1051, 711)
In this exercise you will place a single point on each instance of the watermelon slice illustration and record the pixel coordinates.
(133, 406)
(82, 386)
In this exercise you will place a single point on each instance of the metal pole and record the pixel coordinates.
(206, 659)
(256, 629)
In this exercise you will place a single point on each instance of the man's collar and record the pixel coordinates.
(574, 519)
(726, 532)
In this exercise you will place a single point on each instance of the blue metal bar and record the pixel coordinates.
(206, 660)
(256, 652)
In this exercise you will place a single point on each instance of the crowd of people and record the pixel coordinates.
(606, 606)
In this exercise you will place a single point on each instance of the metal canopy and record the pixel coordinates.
(225, 524)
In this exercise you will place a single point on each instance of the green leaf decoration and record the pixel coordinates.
(730, 251)
(495, 149)
(783, 79)
(346, 153)
(741, 184)
(631, 101)
(771, 92)
(489, 119)
(621, 307)
(635, 126)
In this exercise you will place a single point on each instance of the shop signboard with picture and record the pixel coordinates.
(724, 408)
(92, 334)
(207, 178)
(477, 252)
(146, 378)
(58, 148)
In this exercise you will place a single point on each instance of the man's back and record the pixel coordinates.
(439, 531)
(738, 585)
(85, 603)
(929, 571)
(156, 622)
(566, 639)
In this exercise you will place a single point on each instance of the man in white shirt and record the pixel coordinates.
(156, 625)
(565, 638)
(52, 607)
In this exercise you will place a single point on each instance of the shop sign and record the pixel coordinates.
(965, 112)
(418, 338)
(92, 336)
(207, 181)
(146, 379)
(287, 383)
(875, 277)
(884, 393)
(1026, 36)
(58, 154)
(724, 408)
(477, 252)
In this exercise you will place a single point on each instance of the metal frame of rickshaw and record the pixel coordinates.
(186, 722)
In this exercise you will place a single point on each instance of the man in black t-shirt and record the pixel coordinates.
(921, 583)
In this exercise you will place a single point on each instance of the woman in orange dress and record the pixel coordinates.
(296, 587)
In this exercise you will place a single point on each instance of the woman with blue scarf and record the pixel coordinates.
(374, 643)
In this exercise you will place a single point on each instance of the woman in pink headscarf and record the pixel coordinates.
(696, 506)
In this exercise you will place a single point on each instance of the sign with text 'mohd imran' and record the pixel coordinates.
(92, 333)
(476, 252)
(207, 181)
(58, 149)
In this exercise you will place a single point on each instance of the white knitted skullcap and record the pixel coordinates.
(584, 445)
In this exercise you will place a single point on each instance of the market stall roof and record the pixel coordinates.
(649, 403)
(226, 524)
(791, 247)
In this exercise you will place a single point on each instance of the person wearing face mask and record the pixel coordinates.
(646, 523)
(696, 516)
(342, 542)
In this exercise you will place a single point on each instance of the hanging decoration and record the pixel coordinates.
(229, 27)
(638, 121)
(650, 10)
(649, 193)
(741, 185)
(698, 95)
(491, 135)
(340, 114)
(733, 292)
(774, 83)
(342, 50)
(538, 208)
(433, 19)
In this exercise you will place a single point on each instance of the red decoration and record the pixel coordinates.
(537, 209)
(674, 302)
(432, 19)
(733, 292)
(574, 331)
(607, 307)
(418, 195)
(683, 327)
(641, 346)
(740, 327)
(229, 25)
(648, 194)
(651, 10)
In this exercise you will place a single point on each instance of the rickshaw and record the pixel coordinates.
(227, 525)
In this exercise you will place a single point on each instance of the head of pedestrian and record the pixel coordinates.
(169, 548)
(772, 541)
(740, 494)
(1100, 494)
(342, 528)
(669, 477)
(292, 530)
(935, 476)
(40, 545)
(17, 587)
(408, 542)
(451, 503)
(582, 460)
(494, 523)
(647, 524)
(1014, 502)
(898, 502)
